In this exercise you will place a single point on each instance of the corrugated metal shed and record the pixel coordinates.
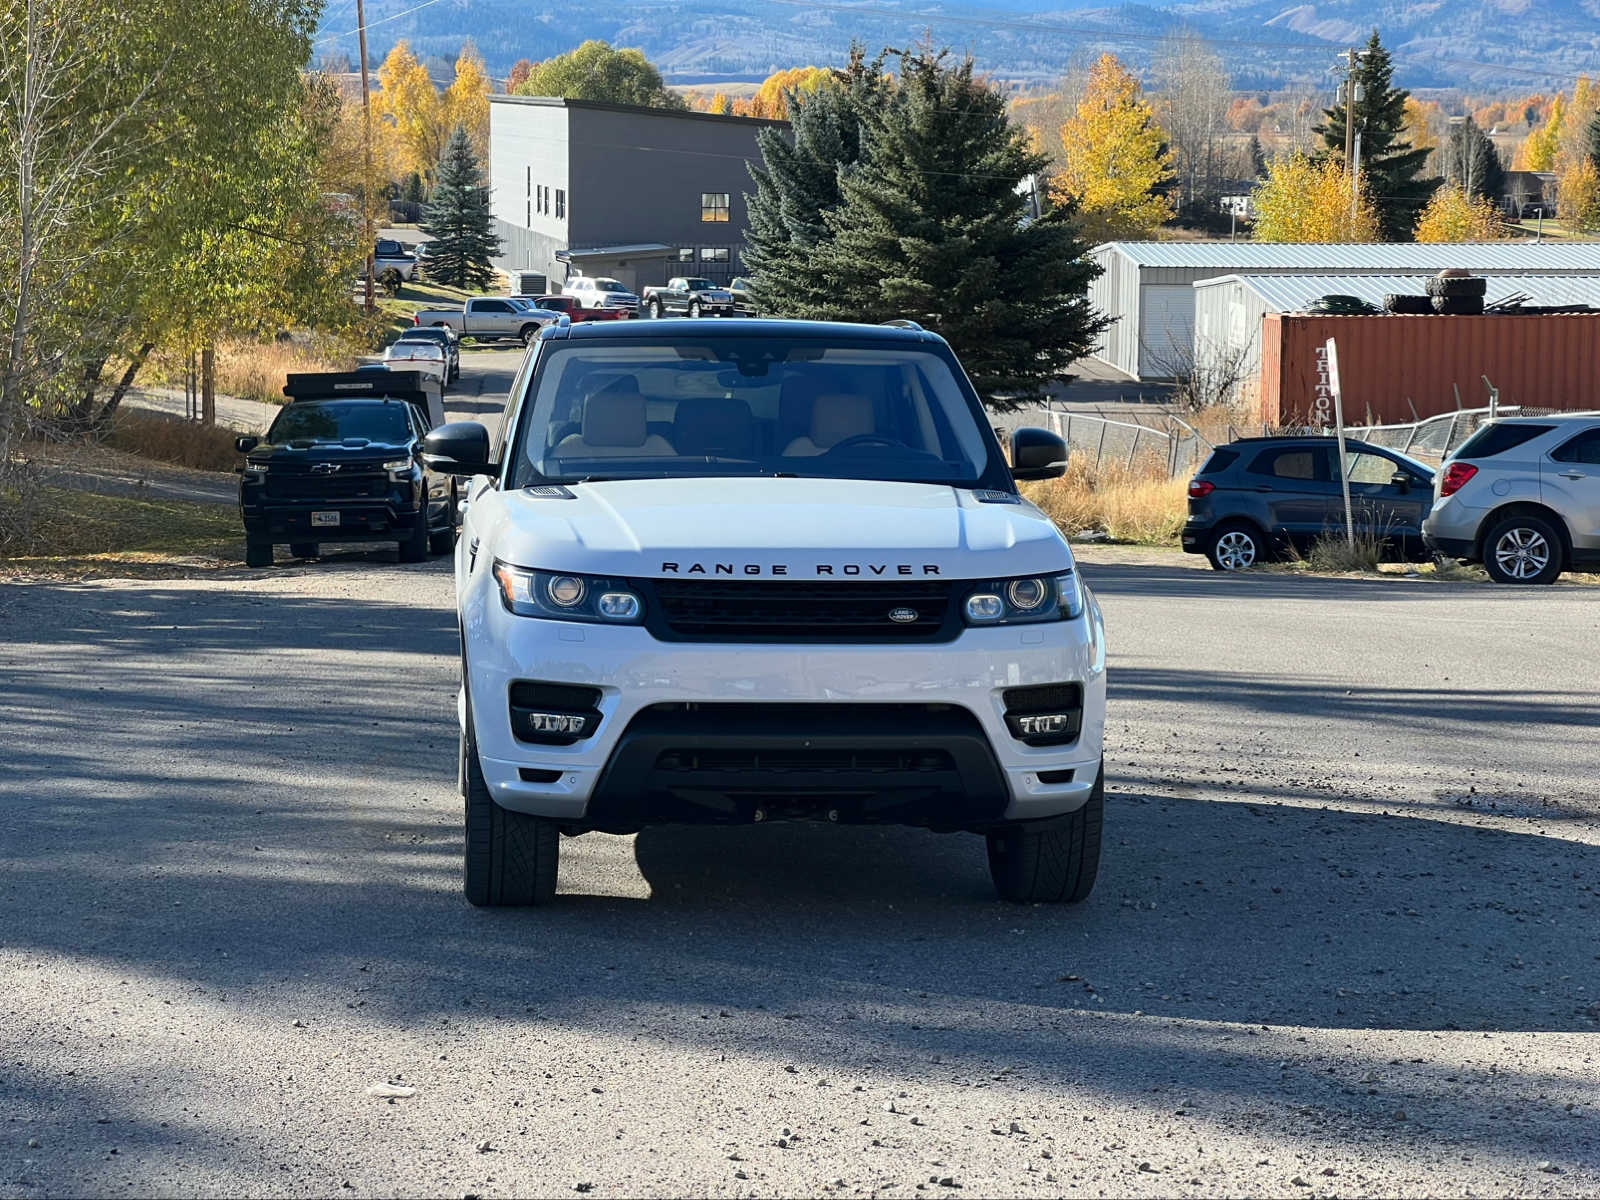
(1334, 257)
(1229, 308)
(1148, 287)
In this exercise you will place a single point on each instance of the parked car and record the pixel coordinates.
(491, 318)
(601, 292)
(744, 304)
(388, 254)
(1259, 498)
(785, 575)
(577, 311)
(442, 336)
(689, 297)
(426, 358)
(1522, 496)
(340, 463)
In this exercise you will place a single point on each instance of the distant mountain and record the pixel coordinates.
(1520, 45)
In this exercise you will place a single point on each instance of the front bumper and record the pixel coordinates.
(942, 702)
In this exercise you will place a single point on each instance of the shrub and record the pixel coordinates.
(173, 440)
(1127, 504)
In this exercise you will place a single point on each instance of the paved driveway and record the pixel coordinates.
(1343, 941)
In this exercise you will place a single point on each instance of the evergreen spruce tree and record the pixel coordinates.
(931, 226)
(1593, 139)
(1392, 167)
(1258, 158)
(458, 219)
(798, 182)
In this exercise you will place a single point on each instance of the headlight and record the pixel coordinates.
(1022, 601)
(561, 596)
(397, 465)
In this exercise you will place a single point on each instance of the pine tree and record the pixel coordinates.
(1594, 139)
(1471, 162)
(458, 219)
(931, 227)
(1393, 167)
(1258, 158)
(798, 182)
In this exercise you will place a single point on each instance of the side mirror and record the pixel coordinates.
(1037, 454)
(246, 444)
(1401, 480)
(459, 448)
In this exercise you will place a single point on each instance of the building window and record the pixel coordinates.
(686, 254)
(561, 204)
(713, 206)
(714, 254)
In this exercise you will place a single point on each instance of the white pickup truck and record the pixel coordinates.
(753, 571)
(491, 318)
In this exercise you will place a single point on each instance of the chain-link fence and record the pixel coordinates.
(1173, 447)
(1436, 438)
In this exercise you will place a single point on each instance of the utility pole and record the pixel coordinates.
(1352, 93)
(366, 151)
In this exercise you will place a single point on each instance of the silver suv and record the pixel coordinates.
(1521, 496)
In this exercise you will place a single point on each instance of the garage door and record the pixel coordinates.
(1166, 329)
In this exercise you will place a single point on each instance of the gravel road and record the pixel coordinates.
(1343, 941)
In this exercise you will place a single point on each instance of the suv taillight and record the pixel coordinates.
(1456, 474)
(1201, 487)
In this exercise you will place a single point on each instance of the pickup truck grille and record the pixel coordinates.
(326, 487)
(712, 610)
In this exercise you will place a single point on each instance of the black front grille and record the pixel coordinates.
(802, 610)
(805, 758)
(327, 487)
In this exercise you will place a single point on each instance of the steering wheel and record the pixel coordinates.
(866, 439)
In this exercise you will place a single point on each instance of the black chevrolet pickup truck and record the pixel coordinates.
(340, 464)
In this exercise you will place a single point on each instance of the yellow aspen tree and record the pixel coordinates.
(466, 101)
(1305, 201)
(1115, 164)
(720, 104)
(410, 105)
(1578, 201)
(1454, 216)
(1539, 151)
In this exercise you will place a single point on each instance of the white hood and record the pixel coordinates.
(778, 528)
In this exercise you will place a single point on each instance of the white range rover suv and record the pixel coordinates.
(747, 571)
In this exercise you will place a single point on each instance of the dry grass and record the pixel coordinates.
(172, 440)
(76, 526)
(1138, 504)
(1334, 553)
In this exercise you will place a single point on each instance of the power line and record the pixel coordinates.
(333, 37)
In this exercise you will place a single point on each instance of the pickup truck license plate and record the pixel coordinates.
(324, 518)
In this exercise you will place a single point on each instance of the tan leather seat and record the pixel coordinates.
(614, 426)
(835, 416)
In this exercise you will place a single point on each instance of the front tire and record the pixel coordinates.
(656, 309)
(1235, 546)
(1054, 863)
(1524, 550)
(441, 541)
(511, 859)
(258, 554)
(414, 548)
(304, 549)
(694, 310)
(530, 334)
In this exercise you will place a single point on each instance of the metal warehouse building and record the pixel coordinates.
(1229, 308)
(1148, 287)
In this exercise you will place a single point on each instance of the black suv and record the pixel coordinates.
(1259, 498)
(340, 463)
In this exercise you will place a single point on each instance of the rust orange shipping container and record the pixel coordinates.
(1389, 363)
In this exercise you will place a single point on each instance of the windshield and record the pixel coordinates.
(608, 285)
(340, 420)
(697, 285)
(417, 350)
(748, 406)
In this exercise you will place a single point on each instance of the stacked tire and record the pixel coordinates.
(1457, 295)
(1408, 305)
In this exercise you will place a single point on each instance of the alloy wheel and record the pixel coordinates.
(1236, 551)
(1522, 553)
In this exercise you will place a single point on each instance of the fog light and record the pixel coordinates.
(1044, 724)
(543, 722)
(985, 606)
(618, 606)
